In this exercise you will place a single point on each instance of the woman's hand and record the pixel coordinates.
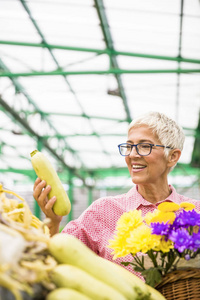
(40, 193)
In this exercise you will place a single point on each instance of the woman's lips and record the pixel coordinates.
(138, 168)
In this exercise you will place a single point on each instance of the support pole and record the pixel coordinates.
(37, 210)
(90, 196)
(71, 196)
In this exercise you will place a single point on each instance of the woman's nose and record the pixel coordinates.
(134, 152)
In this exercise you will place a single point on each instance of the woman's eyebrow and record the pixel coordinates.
(141, 141)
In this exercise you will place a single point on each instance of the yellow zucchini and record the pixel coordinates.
(154, 294)
(67, 249)
(69, 276)
(66, 294)
(45, 171)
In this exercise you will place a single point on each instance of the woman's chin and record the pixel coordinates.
(137, 180)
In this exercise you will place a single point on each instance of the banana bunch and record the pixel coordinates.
(82, 274)
(25, 262)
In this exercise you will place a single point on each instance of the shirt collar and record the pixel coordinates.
(137, 200)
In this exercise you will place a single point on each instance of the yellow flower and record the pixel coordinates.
(150, 215)
(129, 220)
(125, 225)
(133, 234)
(164, 217)
(156, 239)
(118, 244)
(168, 207)
(141, 240)
(187, 206)
(163, 246)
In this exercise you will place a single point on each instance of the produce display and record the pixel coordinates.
(45, 171)
(70, 251)
(25, 262)
(35, 266)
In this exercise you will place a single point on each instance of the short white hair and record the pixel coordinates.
(167, 130)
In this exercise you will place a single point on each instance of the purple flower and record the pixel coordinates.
(195, 241)
(186, 219)
(181, 239)
(160, 228)
(187, 257)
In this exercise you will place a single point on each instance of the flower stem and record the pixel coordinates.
(153, 257)
(139, 261)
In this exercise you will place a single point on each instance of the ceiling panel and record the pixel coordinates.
(73, 74)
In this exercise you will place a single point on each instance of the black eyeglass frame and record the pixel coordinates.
(136, 146)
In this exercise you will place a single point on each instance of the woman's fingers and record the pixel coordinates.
(48, 210)
(38, 180)
(40, 193)
(38, 187)
(50, 203)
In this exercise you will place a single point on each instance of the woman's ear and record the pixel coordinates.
(173, 157)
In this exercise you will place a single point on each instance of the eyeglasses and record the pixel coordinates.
(143, 149)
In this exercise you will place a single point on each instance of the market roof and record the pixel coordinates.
(73, 74)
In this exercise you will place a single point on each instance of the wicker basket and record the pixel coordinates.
(181, 285)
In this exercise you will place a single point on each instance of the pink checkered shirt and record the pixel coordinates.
(97, 223)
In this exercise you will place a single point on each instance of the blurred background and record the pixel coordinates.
(74, 73)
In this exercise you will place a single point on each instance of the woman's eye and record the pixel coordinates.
(145, 146)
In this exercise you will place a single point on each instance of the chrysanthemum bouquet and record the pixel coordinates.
(165, 238)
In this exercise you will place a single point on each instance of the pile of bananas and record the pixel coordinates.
(35, 266)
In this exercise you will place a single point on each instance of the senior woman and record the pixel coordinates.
(153, 148)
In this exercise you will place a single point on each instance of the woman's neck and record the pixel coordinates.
(154, 193)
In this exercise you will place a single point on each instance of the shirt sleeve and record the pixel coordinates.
(88, 227)
(97, 223)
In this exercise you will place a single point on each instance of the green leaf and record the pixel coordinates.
(135, 266)
(138, 268)
(125, 263)
(152, 276)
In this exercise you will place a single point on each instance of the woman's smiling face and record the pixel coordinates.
(151, 169)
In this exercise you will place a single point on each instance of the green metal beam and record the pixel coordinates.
(20, 89)
(71, 196)
(24, 3)
(191, 132)
(107, 51)
(178, 66)
(188, 131)
(37, 209)
(26, 172)
(180, 169)
(28, 112)
(106, 72)
(113, 60)
(195, 162)
(24, 124)
(90, 196)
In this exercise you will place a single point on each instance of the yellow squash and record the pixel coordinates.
(67, 249)
(133, 279)
(66, 294)
(45, 171)
(69, 276)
